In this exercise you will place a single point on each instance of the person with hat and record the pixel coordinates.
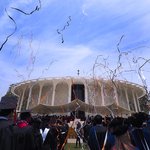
(8, 104)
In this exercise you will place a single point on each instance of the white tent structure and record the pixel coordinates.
(67, 94)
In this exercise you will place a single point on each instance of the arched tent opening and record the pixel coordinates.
(78, 92)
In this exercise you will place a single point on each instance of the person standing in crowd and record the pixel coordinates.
(62, 129)
(86, 130)
(7, 106)
(140, 136)
(148, 122)
(23, 133)
(119, 128)
(36, 124)
(44, 129)
(50, 142)
(78, 131)
(97, 134)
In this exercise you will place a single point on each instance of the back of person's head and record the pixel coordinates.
(59, 122)
(26, 115)
(46, 121)
(97, 119)
(119, 126)
(107, 120)
(36, 123)
(138, 119)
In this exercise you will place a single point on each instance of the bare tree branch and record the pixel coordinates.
(62, 38)
(37, 8)
(119, 43)
(1, 47)
(64, 28)
(32, 59)
(141, 75)
(19, 75)
(46, 69)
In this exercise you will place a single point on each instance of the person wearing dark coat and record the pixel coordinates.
(7, 106)
(23, 133)
(49, 134)
(62, 129)
(140, 136)
(50, 142)
(36, 124)
(119, 128)
(78, 139)
(86, 130)
(97, 135)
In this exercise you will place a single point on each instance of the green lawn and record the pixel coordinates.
(71, 146)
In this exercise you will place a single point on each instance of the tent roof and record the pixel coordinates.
(80, 105)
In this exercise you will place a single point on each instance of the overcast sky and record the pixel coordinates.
(90, 29)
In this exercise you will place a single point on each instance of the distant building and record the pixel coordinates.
(78, 94)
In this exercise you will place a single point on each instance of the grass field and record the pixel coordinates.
(71, 146)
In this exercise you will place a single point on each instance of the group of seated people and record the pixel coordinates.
(28, 132)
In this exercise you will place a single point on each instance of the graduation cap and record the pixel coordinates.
(8, 102)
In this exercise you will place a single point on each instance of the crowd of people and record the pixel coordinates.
(51, 132)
